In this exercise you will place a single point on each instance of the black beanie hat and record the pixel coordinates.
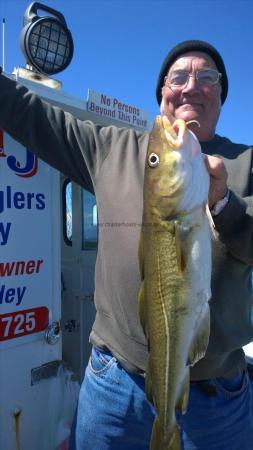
(185, 47)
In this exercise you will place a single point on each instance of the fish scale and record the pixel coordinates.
(175, 265)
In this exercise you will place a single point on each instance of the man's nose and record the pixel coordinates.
(191, 84)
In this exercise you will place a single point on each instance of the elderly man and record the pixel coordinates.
(113, 412)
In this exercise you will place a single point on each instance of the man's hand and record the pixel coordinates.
(218, 179)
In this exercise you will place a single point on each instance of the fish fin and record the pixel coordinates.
(156, 435)
(141, 295)
(141, 300)
(211, 223)
(149, 387)
(200, 342)
(159, 441)
(181, 235)
(141, 255)
(183, 398)
(175, 442)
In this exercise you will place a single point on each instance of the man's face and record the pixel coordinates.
(194, 101)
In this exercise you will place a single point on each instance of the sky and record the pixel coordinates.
(119, 47)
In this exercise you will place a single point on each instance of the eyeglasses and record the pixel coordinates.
(177, 79)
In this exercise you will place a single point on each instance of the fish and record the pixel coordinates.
(175, 270)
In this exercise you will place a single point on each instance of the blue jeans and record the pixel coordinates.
(113, 413)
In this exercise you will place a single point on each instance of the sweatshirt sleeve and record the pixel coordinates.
(235, 227)
(76, 148)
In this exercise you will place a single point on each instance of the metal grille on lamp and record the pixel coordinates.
(49, 46)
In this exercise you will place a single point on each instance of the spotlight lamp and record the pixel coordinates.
(46, 41)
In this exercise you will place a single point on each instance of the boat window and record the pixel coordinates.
(67, 212)
(90, 220)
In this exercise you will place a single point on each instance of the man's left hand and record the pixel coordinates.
(218, 179)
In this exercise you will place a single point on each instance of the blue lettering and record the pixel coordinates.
(29, 200)
(1, 201)
(21, 200)
(11, 295)
(8, 197)
(40, 201)
(4, 233)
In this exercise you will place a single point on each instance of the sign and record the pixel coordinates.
(27, 281)
(17, 324)
(113, 108)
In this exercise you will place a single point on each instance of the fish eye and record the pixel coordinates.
(153, 160)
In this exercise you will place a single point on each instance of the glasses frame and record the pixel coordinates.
(195, 75)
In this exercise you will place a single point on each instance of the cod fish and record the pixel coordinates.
(175, 266)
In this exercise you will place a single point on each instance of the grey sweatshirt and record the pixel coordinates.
(110, 162)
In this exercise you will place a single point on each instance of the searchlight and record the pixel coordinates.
(45, 41)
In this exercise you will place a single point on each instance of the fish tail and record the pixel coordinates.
(160, 441)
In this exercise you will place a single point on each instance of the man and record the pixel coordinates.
(113, 412)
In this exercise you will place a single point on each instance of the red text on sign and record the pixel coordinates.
(21, 323)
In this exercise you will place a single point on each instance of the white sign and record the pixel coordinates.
(113, 108)
(26, 265)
